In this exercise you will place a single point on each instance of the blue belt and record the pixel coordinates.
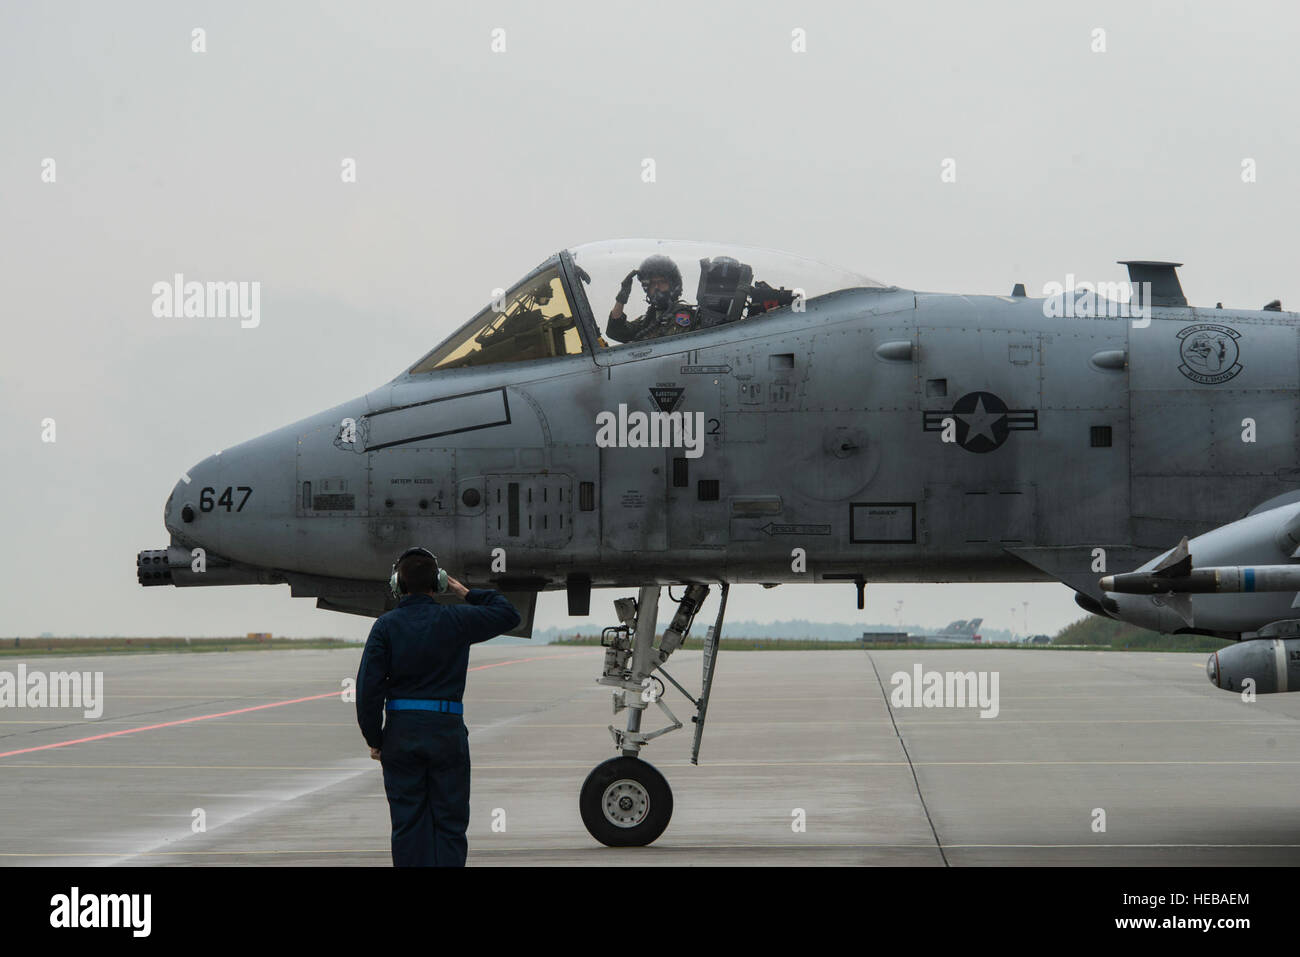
(425, 704)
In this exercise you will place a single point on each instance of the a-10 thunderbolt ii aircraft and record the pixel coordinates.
(789, 422)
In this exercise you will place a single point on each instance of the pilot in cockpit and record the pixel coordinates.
(668, 315)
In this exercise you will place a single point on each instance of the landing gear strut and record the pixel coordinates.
(626, 802)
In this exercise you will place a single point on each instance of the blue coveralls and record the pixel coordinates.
(419, 652)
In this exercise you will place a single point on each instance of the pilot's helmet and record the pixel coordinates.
(661, 266)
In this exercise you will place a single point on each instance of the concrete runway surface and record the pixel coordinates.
(1185, 773)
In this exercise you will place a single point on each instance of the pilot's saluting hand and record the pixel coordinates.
(624, 294)
(625, 290)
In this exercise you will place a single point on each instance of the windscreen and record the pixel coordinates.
(532, 321)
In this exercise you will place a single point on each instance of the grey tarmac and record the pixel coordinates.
(264, 745)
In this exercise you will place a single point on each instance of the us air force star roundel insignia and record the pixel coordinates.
(982, 421)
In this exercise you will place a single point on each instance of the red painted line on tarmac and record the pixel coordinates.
(226, 714)
(167, 724)
(515, 661)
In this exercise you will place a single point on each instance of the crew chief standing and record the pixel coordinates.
(416, 657)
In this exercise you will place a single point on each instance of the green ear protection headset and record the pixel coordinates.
(396, 589)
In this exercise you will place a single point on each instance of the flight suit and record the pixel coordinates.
(680, 317)
(413, 669)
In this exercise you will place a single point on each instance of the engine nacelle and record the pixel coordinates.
(1273, 664)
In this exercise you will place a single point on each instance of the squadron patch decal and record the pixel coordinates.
(1209, 353)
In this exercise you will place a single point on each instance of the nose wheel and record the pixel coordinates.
(625, 802)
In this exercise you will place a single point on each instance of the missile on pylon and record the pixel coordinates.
(1224, 579)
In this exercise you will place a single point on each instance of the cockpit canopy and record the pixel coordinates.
(714, 275)
(564, 306)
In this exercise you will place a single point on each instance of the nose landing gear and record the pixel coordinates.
(626, 802)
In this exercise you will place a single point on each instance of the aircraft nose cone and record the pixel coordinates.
(1212, 669)
(223, 503)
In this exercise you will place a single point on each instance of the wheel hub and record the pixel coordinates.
(625, 803)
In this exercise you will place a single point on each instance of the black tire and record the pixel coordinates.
(625, 802)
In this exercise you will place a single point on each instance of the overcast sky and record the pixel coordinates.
(473, 166)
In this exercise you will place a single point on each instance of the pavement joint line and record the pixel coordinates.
(911, 767)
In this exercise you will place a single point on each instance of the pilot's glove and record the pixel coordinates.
(625, 290)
